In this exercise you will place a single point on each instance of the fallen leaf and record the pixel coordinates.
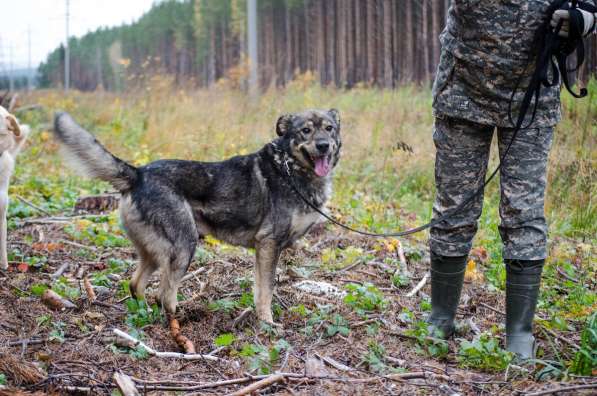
(23, 267)
(472, 273)
(480, 253)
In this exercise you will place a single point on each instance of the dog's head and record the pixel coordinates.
(312, 139)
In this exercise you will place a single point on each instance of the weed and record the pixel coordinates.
(63, 287)
(2, 379)
(57, 333)
(338, 325)
(585, 361)
(483, 353)
(224, 339)
(262, 359)
(432, 346)
(365, 298)
(140, 314)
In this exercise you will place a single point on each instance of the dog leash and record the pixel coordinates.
(554, 52)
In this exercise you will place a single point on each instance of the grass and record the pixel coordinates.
(384, 183)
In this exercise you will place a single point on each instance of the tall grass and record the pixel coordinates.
(378, 184)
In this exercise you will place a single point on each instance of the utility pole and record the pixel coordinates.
(253, 54)
(66, 51)
(10, 69)
(29, 86)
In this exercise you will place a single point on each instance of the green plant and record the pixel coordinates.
(63, 287)
(338, 325)
(224, 339)
(140, 314)
(585, 360)
(432, 346)
(262, 359)
(483, 353)
(364, 298)
(57, 333)
(2, 379)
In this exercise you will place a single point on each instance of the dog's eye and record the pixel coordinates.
(329, 128)
(306, 130)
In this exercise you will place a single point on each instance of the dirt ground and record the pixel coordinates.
(84, 357)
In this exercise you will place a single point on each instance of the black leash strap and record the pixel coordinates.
(554, 51)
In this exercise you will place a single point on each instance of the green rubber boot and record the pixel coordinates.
(523, 278)
(447, 276)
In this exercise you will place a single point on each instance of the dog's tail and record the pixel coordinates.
(90, 156)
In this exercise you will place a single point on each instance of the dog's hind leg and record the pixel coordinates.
(3, 225)
(267, 254)
(172, 274)
(146, 267)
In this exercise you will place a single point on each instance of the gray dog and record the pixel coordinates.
(245, 200)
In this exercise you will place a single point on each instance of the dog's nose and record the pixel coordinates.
(322, 146)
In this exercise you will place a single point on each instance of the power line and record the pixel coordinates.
(66, 50)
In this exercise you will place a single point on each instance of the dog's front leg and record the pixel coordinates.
(267, 254)
(3, 225)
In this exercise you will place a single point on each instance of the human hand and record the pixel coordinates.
(564, 16)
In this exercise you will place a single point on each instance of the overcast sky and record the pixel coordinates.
(46, 18)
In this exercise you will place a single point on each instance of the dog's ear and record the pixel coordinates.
(335, 114)
(284, 123)
(13, 125)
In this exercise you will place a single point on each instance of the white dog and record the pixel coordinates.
(12, 137)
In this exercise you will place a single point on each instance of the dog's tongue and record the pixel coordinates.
(322, 166)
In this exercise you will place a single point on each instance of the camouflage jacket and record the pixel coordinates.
(487, 46)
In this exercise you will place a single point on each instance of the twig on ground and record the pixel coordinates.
(351, 266)
(334, 363)
(175, 355)
(563, 389)
(32, 205)
(241, 318)
(191, 275)
(125, 384)
(58, 273)
(264, 383)
(565, 275)
(419, 286)
(79, 245)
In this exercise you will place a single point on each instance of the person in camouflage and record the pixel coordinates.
(486, 48)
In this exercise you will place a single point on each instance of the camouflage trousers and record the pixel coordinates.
(460, 168)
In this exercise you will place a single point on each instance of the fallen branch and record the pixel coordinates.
(180, 339)
(32, 205)
(58, 273)
(191, 275)
(174, 355)
(334, 363)
(419, 286)
(125, 384)
(563, 389)
(264, 383)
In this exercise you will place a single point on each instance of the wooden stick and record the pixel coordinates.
(125, 384)
(30, 204)
(419, 286)
(264, 383)
(60, 271)
(563, 389)
(174, 355)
